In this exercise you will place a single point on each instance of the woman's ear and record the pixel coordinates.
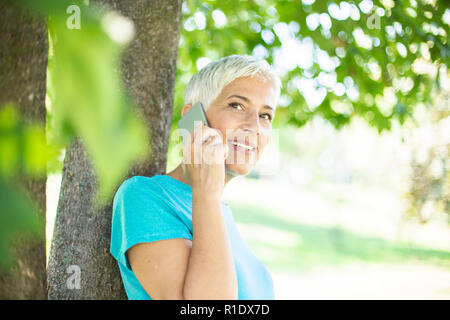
(186, 108)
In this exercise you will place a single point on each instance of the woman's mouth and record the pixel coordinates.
(242, 147)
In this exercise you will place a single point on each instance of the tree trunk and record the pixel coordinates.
(23, 71)
(82, 232)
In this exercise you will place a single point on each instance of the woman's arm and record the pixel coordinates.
(178, 269)
(210, 272)
(160, 267)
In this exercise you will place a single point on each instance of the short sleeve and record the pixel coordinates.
(140, 214)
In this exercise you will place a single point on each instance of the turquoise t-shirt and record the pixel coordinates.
(147, 209)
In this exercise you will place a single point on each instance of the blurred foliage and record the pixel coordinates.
(23, 150)
(373, 59)
(16, 217)
(85, 91)
(23, 147)
(429, 196)
(428, 190)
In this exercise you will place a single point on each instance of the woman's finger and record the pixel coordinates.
(212, 134)
(197, 129)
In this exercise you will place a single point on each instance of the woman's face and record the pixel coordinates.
(243, 112)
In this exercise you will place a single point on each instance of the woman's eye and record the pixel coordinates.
(234, 105)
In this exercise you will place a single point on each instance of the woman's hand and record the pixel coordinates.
(204, 157)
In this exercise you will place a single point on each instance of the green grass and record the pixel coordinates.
(312, 246)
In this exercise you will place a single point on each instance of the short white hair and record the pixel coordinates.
(206, 85)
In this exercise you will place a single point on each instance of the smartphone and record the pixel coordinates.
(190, 119)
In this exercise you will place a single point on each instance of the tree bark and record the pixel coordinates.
(23, 71)
(82, 232)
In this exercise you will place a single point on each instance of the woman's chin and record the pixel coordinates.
(239, 169)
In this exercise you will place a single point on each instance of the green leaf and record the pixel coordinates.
(88, 96)
(17, 217)
(23, 146)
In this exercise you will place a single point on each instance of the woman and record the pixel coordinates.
(172, 236)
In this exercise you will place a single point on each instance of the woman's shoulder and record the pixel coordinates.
(137, 185)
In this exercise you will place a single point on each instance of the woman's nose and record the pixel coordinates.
(252, 123)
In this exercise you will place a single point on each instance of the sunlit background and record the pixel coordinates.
(327, 211)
